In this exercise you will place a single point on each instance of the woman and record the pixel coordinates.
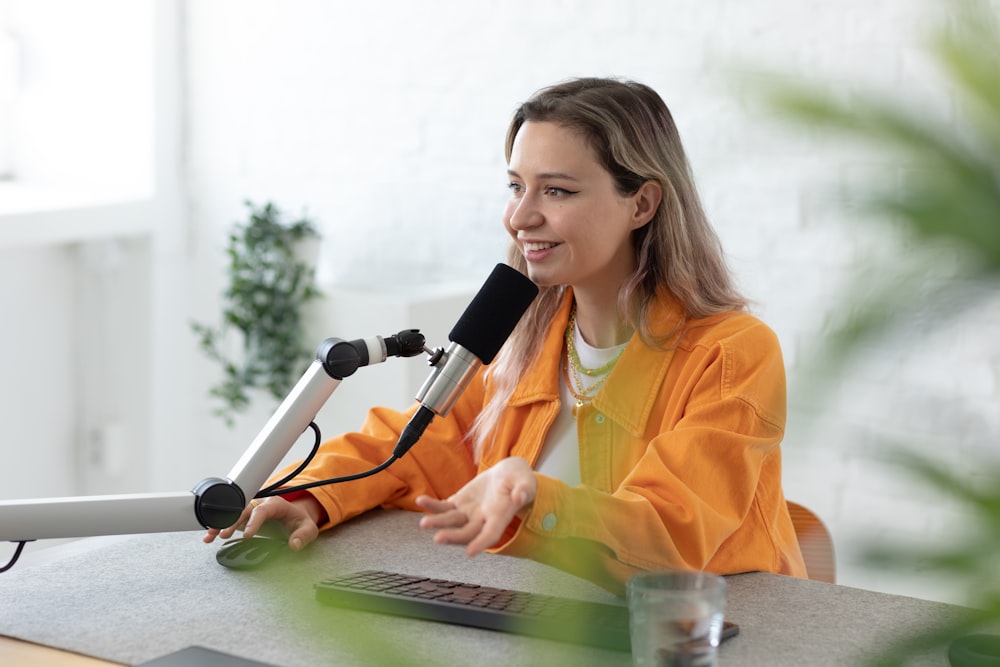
(633, 419)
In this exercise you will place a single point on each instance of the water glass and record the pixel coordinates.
(675, 618)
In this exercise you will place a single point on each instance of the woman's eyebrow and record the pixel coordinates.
(547, 175)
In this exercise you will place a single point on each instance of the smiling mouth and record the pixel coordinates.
(538, 246)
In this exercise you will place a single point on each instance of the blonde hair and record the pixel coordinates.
(633, 135)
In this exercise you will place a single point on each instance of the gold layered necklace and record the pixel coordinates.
(573, 366)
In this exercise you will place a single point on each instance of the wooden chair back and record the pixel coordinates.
(815, 543)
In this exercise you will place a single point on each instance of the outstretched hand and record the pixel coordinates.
(294, 516)
(477, 515)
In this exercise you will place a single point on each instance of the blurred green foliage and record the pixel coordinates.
(942, 190)
(946, 183)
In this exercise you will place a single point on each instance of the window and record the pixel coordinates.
(77, 124)
(9, 69)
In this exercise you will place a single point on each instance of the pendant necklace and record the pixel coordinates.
(573, 368)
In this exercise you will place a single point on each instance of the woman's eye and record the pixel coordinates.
(558, 192)
(514, 187)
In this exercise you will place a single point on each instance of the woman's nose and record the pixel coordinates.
(524, 214)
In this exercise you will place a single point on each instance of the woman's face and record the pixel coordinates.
(565, 215)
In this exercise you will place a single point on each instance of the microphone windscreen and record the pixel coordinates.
(494, 312)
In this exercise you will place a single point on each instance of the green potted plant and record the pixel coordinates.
(260, 341)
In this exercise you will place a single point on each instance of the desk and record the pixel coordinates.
(149, 595)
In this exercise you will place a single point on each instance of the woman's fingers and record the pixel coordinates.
(462, 533)
(433, 504)
(226, 533)
(452, 518)
(250, 520)
(441, 513)
(306, 532)
(260, 511)
(487, 536)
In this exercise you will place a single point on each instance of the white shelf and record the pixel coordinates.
(45, 216)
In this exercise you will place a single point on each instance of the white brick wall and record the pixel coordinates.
(385, 121)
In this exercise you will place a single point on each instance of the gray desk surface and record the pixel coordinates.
(148, 595)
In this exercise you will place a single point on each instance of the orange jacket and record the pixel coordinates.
(679, 457)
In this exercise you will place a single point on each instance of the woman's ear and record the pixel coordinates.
(647, 200)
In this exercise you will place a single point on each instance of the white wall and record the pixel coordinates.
(76, 215)
(385, 121)
(39, 371)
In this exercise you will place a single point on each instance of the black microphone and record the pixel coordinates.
(475, 340)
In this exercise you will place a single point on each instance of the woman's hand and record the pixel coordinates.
(477, 515)
(299, 518)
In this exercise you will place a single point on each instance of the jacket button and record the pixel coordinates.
(549, 521)
(599, 418)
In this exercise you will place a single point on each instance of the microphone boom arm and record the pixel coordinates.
(216, 502)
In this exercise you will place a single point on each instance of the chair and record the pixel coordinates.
(815, 543)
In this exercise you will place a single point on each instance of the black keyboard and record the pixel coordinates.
(533, 614)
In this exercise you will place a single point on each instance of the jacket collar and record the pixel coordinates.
(628, 395)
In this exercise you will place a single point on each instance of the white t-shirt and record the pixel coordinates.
(560, 457)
